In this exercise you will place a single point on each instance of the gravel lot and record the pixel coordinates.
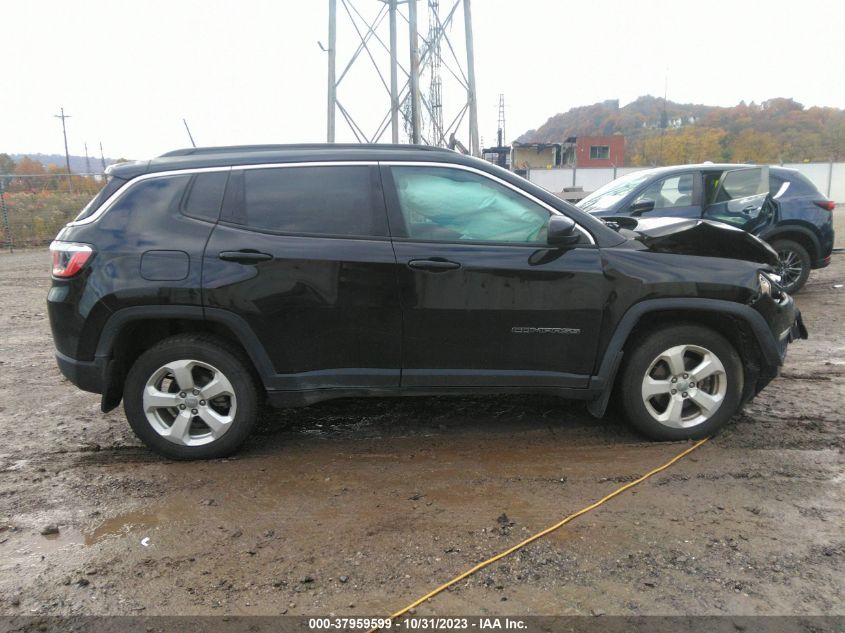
(359, 507)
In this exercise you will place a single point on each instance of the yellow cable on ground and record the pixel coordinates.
(543, 533)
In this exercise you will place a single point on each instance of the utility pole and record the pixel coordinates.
(64, 116)
(87, 161)
(102, 158)
(471, 94)
(332, 87)
(501, 136)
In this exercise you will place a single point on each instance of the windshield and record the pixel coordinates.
(605, 197)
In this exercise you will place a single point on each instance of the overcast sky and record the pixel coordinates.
(250, 71)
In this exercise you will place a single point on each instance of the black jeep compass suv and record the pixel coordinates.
(197, 284)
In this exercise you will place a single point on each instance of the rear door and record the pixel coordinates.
(740, 197)
(301, 253)
(485, 300)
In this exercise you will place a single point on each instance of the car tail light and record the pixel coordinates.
(827, 205)
(69, 258)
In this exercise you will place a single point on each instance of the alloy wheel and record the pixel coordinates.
(684, 386)
(189, 402)
(789, 267)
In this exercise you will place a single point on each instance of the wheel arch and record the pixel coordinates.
(131, 331)
(797, 233)
(744, 327)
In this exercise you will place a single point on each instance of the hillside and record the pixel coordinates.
(77, 163)
(777, 130)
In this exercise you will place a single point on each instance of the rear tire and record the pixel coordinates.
(794, 267)
(191, 397)
(683, 382)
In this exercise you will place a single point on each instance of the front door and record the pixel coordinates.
(677, 196)
(485, 301)
(301, 253)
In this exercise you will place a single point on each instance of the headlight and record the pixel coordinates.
(765, 285)
(770, 285)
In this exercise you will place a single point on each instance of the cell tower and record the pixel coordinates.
(501, 135)
(435, 89)
(440, 115)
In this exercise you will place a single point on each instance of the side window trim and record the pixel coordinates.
(393, 201)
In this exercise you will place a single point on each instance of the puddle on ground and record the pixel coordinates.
(123, 524)
(27, 549)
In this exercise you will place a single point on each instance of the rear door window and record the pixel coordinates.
(743, 183)
(322, 200)
(205, 195)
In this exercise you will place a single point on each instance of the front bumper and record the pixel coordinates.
(783, 325)
(794, 332)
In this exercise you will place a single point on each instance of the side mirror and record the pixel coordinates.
(561, 231)
(643, 206)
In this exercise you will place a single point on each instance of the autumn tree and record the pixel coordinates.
(678, 147)
(754, 147)
(30, 174)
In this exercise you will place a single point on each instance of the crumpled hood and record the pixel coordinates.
(692, 236)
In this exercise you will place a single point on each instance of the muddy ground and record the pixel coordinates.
(359, 507)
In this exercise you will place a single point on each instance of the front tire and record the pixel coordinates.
(683, 382)
(191, 397)
(794, 266)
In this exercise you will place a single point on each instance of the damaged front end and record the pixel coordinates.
(704, 238)
(773, 322)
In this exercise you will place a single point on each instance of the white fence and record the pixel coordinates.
(828, 177)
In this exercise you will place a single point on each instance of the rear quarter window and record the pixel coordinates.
(110, 187)
(144, 203)
(799, 184)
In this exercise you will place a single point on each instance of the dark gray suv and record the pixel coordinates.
(779, 205)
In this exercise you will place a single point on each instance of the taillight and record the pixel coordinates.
(827, 205)
(69, 258)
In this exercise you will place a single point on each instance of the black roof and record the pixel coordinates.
(241, 149)
(198, 157)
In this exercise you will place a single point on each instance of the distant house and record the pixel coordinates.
(600, 151)
(525, 156)
(580, 151)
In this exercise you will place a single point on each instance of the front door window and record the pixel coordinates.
(668, 193)
(444, 204)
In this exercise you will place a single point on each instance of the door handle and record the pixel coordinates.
(433, 265)
(245, 257)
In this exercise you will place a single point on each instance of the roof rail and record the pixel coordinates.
(232, 149)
